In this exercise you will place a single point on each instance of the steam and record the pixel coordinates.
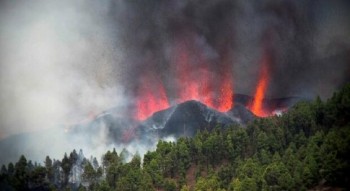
(64, 62)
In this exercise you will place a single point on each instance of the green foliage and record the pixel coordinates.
(37, 179)
(3, 170)
(225, 175)
(277, 177)
(103, 186)
(111, 164)
(49, 169)
(21, 174)
(66, 166)
(185, 188)
(91, 175)
(170, 185)
(207, 184)
(296, 151)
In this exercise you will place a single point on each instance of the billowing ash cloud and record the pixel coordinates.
(63, 61)
(308, 42)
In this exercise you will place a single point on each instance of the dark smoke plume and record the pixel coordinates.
(309, 42)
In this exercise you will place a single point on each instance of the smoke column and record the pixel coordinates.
(208, 51)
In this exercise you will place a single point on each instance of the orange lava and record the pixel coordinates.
(257, 105)
(196, 82)
(225, 101)
(152, 98)
(225, 97)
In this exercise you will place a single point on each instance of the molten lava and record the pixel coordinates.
(225, 97)
(225, 100)
(188, 89)
(193, 77)
(152, 98)
(257, 105)
(205, 84)
(193, 73)
(196, 82)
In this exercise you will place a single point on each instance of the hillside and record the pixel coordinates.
(305, 148)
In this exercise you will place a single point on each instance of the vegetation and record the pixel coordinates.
(306, 147)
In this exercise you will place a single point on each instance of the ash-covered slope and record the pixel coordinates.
(186, 119)
(183, 119)
(241, 114)
(112, 128)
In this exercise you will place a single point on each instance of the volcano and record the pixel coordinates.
(180, 120)
(186, 119)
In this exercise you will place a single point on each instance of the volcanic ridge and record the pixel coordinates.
(180, 120)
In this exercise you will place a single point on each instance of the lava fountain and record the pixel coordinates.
(196, 80)
(151, 97)
(257, 106)
(225, 97)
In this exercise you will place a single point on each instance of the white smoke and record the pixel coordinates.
(59, 66)
(57, 63)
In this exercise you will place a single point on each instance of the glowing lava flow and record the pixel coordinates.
(257, 105)
(225, 97)
(205, 84)
(188, 89)
(152, 98)
(195, 81)
(226, 94)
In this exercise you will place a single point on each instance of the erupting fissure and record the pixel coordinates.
(225, 97)
(152, 97)
(194, 79)
(257, 106)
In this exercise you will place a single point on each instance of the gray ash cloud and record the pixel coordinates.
(309, 41)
